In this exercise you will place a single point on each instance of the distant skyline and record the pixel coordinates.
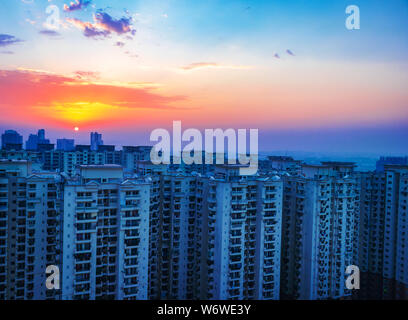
(289, 68)
(369, 141)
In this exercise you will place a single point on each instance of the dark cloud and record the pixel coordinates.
(289, 52)
(104, 25)
(51, 33)
(6, 40)
(77, 5)
(120, 26)
(277, 56)
(92, 32)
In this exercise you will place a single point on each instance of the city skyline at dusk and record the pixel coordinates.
(290, 69)
(201, 158)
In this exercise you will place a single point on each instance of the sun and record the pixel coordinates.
(76, 129)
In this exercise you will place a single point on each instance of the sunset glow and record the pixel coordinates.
(244, 65)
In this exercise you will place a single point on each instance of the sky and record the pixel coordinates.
(290, 69)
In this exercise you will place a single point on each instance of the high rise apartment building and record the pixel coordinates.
(106, 235)
(145, 231)
(396, 231)
(67, 162)
(371, 187)
(30, 230)
(318, 232)
(241, 235)
(174, 243)
(214, 237)
(383, 233)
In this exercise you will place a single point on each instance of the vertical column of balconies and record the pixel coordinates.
(376, 223)
(237, 242)
(4, 196)
(250, 200)
(402, 240)
(192, 239)
(86, 216)
(269, 245)
(106, 243)
(130, 224)
(351, 221)
(364, 202)
(175, 239)
(211, 219)
(199, 238)
(53, 222)
(298, 237)
(3, 236)
(324, 220)
(288, 243)
(154, 238)
(392, 184)
(24, 238)
(165, 241)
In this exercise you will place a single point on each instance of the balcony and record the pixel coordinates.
(84, 199)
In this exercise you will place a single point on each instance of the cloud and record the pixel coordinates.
(106, 22)
(289, 52)
(119, 44)
(77, 5)
(276, 56)
(104, 25)
(66, 99)
(7, 40)
(86, 75)
(132, 55)
(90, 30)
(203, 65)
(7, 52)
(51, 33)
(32, 22)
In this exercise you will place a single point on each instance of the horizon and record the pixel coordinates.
(282, 146)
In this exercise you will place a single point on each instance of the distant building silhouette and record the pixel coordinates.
(82, 147)
(36, 139)
(41, 147)
(65, 144)
(390, 160)
(11, 140)
(96, 141)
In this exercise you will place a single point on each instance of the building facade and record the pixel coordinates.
(106, 235)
